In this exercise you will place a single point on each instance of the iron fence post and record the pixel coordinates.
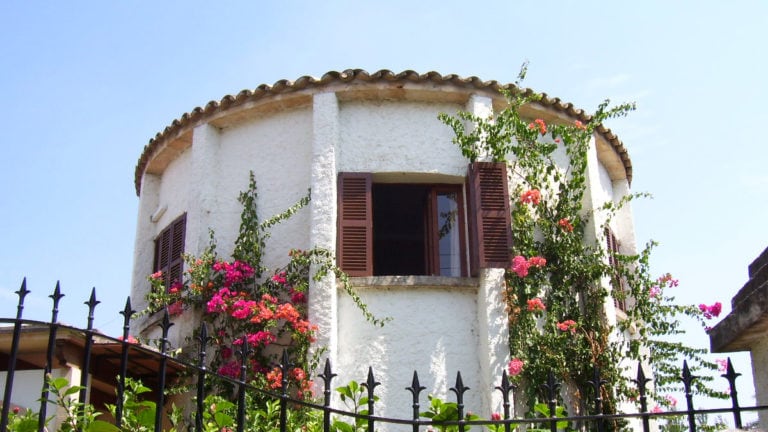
(56, 297)
(415, 389)
(22, 292)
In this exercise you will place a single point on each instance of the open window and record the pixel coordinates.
(169, 250)
(420, 228)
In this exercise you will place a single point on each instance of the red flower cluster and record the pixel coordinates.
(565, 224)
(540, 125)
(567, 325)
(535, 305)
(531, 196)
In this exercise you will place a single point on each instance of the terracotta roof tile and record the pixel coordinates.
(198, 114)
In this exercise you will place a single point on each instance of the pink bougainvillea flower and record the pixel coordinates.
(654, 291)
(515, 366)
(495, 416)
(279, 278)
(130, 339)
(711, 311)
(722, 365)
(298, 297)
(230, 369)
(668, 280)
(176, 308)
(567, 325)
(537, 261)
(535, 305)
(565, 224)
(520, 266)
(671, 400)
(657, 409)
(531, 196)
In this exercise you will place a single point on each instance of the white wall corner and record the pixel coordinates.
(493, 336)
(143, 248)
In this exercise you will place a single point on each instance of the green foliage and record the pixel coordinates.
(444, 415)
(79, 416)
(23, 421)
(138, 415)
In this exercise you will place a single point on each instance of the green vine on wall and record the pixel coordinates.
(559, 284)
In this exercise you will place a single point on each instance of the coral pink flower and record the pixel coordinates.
(515, 366)
(520, 266)
(531, 196)
(130, 339)
(275, 378)
(567, 325)
(540, 125)
(535, 304)
(565, 224)
(579, 125)
(157, 275)
(537, 261)
(495, 416)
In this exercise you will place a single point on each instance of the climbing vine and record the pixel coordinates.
(562, 279)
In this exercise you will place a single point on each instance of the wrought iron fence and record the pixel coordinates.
(163, 364)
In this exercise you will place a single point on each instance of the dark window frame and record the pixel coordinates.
(485, 232)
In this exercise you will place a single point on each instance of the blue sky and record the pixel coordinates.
(84, 85)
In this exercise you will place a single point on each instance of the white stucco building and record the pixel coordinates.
(376, 137)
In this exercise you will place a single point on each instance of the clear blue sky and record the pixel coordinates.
(84, 85)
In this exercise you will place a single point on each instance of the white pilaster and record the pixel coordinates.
(323, 304)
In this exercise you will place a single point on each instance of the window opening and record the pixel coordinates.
(417, 230)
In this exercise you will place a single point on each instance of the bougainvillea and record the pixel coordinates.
(574, 273)
(240, 306)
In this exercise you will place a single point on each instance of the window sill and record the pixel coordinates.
(414, 281)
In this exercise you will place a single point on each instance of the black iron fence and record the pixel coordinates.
(114, 356)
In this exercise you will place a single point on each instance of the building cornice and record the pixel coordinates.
(355, 84)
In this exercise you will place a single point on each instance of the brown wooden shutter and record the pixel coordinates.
(617, 282)
(169, 250)
(355, 224)
(489, 219)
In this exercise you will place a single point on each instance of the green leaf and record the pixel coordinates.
(101, 426)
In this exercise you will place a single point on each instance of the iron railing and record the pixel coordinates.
(165, 364)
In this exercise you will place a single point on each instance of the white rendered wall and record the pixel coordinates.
(400, 136)
(433, 331)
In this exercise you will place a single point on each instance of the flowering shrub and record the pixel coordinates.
(557, 319)
(240, 306)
